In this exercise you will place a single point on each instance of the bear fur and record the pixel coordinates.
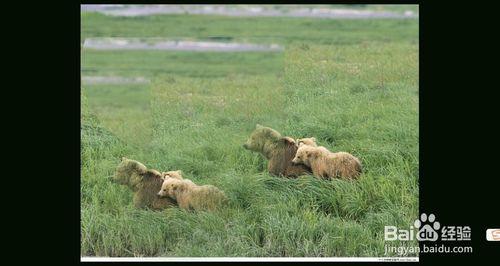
(278, 150)
(190, 196)
(326, 164)
(144, 183)
(307, 141)
(172, 174)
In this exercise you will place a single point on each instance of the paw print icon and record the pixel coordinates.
(427, 227)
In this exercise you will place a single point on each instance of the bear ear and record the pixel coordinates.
(179, 172)
(124, 159)
(258, 126)
(313, 139)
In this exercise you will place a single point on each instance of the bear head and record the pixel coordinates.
(263, 139)
(131, 173)
(304, 154)
(170, 187)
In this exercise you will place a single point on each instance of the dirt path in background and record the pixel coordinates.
(175, 45)
(91, 80)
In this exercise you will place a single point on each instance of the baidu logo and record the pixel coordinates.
(427, 227)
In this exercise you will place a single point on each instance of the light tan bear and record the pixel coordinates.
(144, 183)
(326, 164)
(190, 196)
(307, 141)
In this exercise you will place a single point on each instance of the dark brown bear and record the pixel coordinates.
(279, 150)
(145, 183)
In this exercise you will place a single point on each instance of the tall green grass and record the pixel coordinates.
(362, 99)
(189, 64)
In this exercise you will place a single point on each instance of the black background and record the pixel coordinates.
(458, 130)
(459, 179)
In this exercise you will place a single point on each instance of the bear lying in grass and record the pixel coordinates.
(326, 164)
(278, 150)
(145, 183)
(190, 196)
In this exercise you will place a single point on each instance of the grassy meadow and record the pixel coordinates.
(352, 84)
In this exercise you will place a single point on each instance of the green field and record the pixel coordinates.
(353, 84)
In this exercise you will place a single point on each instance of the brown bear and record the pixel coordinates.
(144, 182)
(326, 164)
(278, 150)
(308, 141)
(190, 196)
